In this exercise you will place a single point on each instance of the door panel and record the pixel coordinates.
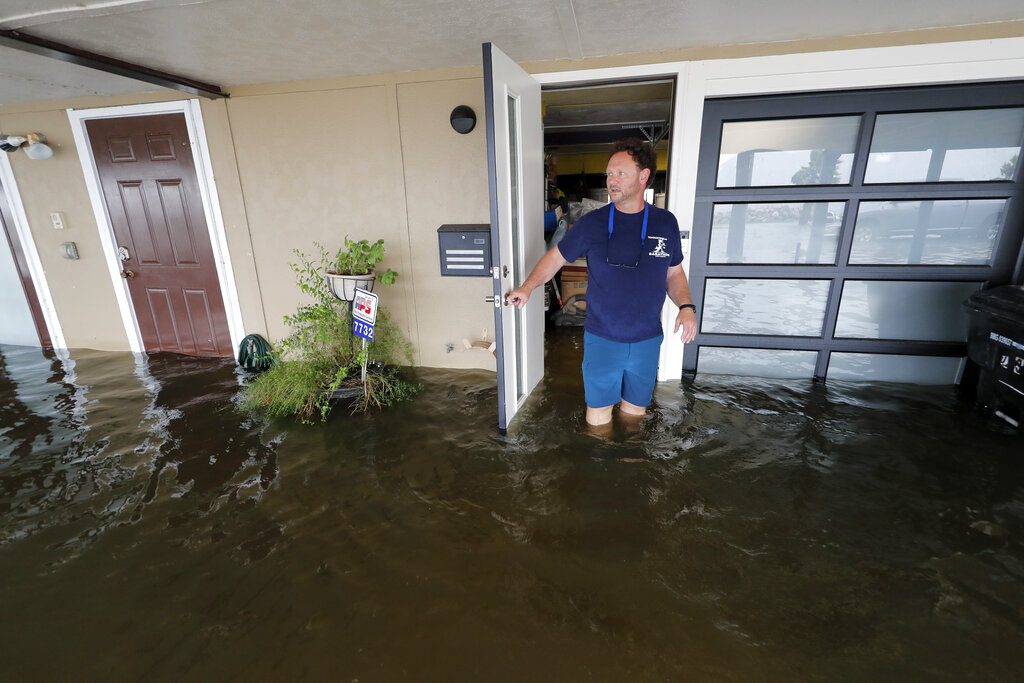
(516, 177)
(152, 196)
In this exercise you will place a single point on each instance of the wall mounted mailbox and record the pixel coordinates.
(465, 250)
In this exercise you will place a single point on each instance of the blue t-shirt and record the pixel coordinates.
(624, 303)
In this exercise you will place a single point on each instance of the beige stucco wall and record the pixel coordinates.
(368, 160)
(315, 167)
(445, 182)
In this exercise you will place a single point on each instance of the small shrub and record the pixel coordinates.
(321, 355)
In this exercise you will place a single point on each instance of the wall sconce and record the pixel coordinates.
(34, 145)
(463, 119)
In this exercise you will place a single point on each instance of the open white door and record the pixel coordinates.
(515, 150)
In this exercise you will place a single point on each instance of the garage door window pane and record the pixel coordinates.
(761, 306)
(946, 146)
(894, 368)
(798, 232)
(781, 152)
(930, 232)
(757, 362)
(919, 311)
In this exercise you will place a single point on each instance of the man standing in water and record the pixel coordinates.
(633, 257)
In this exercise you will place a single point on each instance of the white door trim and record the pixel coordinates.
(207, 190)
(908, 65)
(28, 244)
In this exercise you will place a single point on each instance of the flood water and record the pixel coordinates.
(747, 531)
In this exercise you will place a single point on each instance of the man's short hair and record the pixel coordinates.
(641, 152)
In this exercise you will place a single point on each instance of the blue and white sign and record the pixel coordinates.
(364, 314)
(361, 329)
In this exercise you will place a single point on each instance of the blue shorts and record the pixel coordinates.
(613, 371)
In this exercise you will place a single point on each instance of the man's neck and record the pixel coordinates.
(632, 205)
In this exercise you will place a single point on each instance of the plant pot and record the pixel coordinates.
(343, 287)
(344, 392)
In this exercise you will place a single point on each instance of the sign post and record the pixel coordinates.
(364, 315)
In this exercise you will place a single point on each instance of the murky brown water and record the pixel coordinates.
(751, 530)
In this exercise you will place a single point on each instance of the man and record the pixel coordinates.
(633, 257)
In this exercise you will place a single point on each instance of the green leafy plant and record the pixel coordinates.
(359, 258)
(321, 357)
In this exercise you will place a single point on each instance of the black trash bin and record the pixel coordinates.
(996, 345)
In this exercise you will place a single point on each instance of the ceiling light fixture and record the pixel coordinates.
(34, 145)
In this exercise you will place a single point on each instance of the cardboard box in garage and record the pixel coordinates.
(575, 271)
(573, 288)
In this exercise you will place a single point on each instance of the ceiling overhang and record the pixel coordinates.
(65, 53)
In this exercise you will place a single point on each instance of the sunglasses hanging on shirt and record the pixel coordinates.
(618, 260)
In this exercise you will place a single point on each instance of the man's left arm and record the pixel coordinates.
(679, 291)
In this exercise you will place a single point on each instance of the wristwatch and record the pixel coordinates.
(690, 306)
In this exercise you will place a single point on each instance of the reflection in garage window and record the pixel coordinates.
(764, 306)
(781, 152)
(894, 368)
(894, 309)
(775, 363)
(781, 232)
(946, 146)
(927, 232)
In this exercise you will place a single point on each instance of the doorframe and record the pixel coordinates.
(207, 190)
(904, 65)
(670, 359)
(28, 246)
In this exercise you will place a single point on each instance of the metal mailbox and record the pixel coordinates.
(465, 250)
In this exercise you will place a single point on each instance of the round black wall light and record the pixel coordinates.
(463, 119)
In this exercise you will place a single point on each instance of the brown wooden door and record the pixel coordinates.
(12, 240)
(152, 194)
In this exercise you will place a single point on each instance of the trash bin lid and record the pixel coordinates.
(1005, 302)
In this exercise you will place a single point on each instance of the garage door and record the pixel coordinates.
(837, 234)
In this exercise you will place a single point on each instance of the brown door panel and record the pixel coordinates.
(163, 326)
(180, 320)
(183, 247)
(152, 194)
(197, 303)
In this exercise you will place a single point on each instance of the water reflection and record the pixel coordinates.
(89, 442)
(748, 530)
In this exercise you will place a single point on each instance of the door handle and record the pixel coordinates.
(495, 301)
(127, 274)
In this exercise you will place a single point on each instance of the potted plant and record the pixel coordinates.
(353, 267)
(318, 362)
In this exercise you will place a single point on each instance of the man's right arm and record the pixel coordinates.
(545, 269)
